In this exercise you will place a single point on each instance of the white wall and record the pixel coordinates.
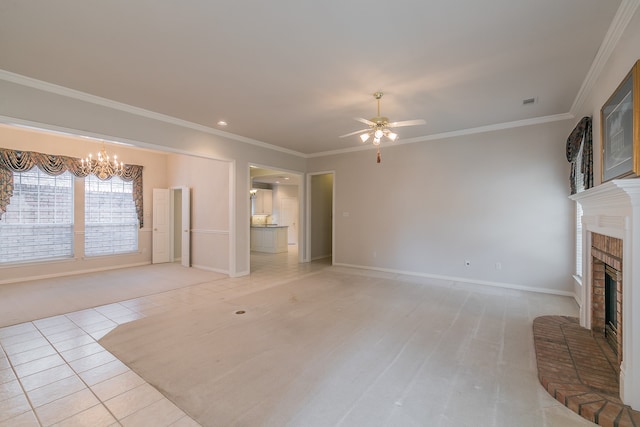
(495, 197)
(280, 192)
(210, 190)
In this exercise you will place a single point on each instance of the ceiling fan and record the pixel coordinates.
(380, 127)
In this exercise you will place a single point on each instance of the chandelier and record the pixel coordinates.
(103, 166)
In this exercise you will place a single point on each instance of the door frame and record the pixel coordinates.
(155, 233)
(308, 215)
(185, 225)
(301, 213)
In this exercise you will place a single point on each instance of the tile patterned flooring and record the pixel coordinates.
(53, 371)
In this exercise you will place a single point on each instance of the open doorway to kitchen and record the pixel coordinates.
(275, 235)
(320, 207)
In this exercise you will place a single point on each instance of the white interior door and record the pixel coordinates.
(186, 227)
(289, 217)
(161, 237)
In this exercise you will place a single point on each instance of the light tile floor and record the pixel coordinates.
(53, 371)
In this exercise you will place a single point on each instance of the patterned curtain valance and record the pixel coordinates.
(581, 137)
(21, 161)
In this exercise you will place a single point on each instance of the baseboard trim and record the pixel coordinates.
(316, 258)
(72, 273)
(240, 273)
(462, 280)
(215, 270)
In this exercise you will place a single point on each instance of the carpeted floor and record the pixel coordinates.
(37, 299)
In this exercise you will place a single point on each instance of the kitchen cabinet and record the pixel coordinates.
(270, 239)
(262, 202)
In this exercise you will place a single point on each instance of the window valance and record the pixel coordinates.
(581, 138)
(20, 161)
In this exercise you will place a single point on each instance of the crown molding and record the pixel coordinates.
(104, 102)
(620, 21)
(71, 93)
(83, 134)
(453, 134)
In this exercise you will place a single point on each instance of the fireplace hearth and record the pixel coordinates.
(611, 245)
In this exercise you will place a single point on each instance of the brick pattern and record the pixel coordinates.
(606, 250)
(611, 246)
(578, 369)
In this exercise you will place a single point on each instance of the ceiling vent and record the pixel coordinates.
(529, 101)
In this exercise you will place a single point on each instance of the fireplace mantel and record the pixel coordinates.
(613, 209)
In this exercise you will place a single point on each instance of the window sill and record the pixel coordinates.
(37, 261)
(93, 257)
(578, 279)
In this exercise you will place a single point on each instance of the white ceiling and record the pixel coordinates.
(295, 73)
(274, 177)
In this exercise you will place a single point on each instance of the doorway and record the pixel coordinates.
(320, 214)
(276, 220)
(171, 225)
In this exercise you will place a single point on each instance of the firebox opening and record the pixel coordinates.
(611, 307)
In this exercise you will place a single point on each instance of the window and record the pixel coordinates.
(111, 222)
(38, 223)
(579, 188)
(578, 239)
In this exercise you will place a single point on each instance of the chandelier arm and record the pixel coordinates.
(103, 167)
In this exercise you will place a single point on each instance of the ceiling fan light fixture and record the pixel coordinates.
(379, 127)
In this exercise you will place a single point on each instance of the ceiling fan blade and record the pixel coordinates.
(354, 133)
(406, 123)
(365, 121)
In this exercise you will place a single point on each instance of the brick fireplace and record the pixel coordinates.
(606, 291)
(611, 243)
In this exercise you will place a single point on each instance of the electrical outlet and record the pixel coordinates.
(498, 266)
